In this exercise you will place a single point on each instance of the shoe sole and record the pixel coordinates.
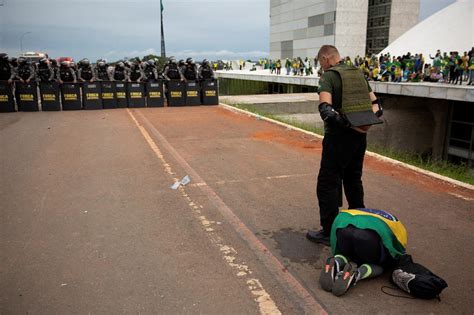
(343, 282)
(326, 279)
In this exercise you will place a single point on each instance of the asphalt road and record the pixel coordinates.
(89, 223)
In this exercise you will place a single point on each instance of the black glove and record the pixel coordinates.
(328, 114)
(379, 112)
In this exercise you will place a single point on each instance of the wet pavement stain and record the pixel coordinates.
(295, 248)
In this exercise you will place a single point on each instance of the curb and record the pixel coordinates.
(369, 153)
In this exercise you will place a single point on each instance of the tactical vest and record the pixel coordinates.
(135, 73)
(355, 97)
(44, 73)
(102, 73)
(206, 73)
(119, 74)
(24, 71)
(149, 73)
(356, 105)
(190, 73)
(86, 73)
(66, 74)
(5, 71)
(173, 72)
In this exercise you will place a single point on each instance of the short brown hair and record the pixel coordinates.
(327, 50)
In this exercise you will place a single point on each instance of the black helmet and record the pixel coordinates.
(85, 62)
(43, 61)
(120, 64)
(64, 63)
(54, 62)
(205, 62)
(151, 62)
(22, 60)
(190, 60)
(4, 56)
(101, 63)
(172, 59)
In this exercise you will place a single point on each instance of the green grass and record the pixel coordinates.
(460, 172)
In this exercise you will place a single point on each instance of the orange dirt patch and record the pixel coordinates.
(289, 137)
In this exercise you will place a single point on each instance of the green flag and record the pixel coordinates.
(161, 4)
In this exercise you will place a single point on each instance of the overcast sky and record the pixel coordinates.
(214, 29)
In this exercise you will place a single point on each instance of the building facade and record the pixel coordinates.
(298, 28)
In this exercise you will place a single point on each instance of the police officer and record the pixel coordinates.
(85, 71)
(66, 73)
(54, 67)
(136, 71)
(172, 71)
(101, 71)
(120, 72)
(44, 72)
(190, 70)
(7, 72)
(181, 65)
(205, 71)
(150, 71)
(25, 72)
(347, 116)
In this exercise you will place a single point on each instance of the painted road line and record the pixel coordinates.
(375, 155)
(265, 303)
(255, 179)
(277, 269)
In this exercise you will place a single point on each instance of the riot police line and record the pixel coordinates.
(24, 87)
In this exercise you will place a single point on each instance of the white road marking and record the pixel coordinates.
(265, 303)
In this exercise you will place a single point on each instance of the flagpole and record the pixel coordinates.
(163, 51)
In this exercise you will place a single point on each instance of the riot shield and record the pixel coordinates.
(121, 93)
(193, 96)
(71, 96)
(109, 99)
(154, 94)
(210, 92)
(91, 95)
(49, 95)
(7, 103)
(175, 93)
(136, 94)
(27, 96)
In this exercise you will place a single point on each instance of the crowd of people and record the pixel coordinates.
(23, 70)
(453, 67)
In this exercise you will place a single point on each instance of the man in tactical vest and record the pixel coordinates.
(66, 73)
(190, 71)
(7, 72)
(101, 71)
(44, 72)
(205, 71)
(172, 71)
(120, 72)
(136, 72)
(150, 71)
(348, 108)
(25, 72)
(54, 67)
(85, 71)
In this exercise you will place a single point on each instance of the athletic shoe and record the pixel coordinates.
(330, 271)
(345, 279)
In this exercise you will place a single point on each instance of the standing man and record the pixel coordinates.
(66, 73)
(101, 71)
(347, 113)
(7, 72)
(172, 71)
(150, 71)
(205, 71)
(85, 71)
(190, 71)
(44, 72)
(25, 71)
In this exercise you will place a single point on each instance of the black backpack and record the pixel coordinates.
(416, 279)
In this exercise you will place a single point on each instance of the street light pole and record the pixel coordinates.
(21, 41)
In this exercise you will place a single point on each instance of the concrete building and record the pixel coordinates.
(298, 28)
